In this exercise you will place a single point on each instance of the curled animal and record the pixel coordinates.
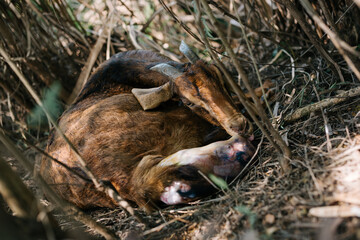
(190, 128)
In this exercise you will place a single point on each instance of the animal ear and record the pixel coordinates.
(189, 54)
(150, 98)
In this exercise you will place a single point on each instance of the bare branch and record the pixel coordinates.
(21, 201)
(98, 184)
(299, 16)
(301, 112)
(285, 150)
(249, 108)
(85, 73)
(64, 206)
(338, 43)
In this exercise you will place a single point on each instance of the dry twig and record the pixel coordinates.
(338, 43)
(299, 16)
(84, 75)
(98, 184)
(284, 149)
(248, 106)
(301, 112)
(18, 197)
(186, 28)
(64, 206)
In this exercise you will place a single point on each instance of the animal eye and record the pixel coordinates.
(189, 104)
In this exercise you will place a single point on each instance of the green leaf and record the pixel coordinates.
(221, 183)
(248, 213)
(207, 30)
(51, 103)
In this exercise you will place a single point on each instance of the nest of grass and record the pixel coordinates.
(314, 106)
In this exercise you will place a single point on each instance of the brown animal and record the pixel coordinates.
(154, 156)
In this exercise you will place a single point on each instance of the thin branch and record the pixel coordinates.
(127, 8)
(15, 94)
(99, 185)
(66, 207)
(85, 73)
(328, 16)
(254, 62)
(299, 16)
(186, 28)
(160, 227)
(22, 202)
(18, 197)
(249, 108)
(338, 43)
(57, 161)
(49, 116)
(250, 163)
(301, 112)
(284, 149)
(261, 33)
(152, 17)
(326, 121)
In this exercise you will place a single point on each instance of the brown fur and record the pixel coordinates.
(122, 144)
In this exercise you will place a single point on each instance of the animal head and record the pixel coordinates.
(199, 87)
(179, 178)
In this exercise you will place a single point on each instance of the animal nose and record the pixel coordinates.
(239, 149)
(225, 153)
(236, 128)
(244, 129)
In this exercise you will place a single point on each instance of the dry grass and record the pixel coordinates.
(318, 199)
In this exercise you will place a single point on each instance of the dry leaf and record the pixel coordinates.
(269, 218)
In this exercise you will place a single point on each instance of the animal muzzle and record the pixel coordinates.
(232, 157)
(224, 159)
(238, 125)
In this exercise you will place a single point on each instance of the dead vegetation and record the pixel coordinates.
(309, 49)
